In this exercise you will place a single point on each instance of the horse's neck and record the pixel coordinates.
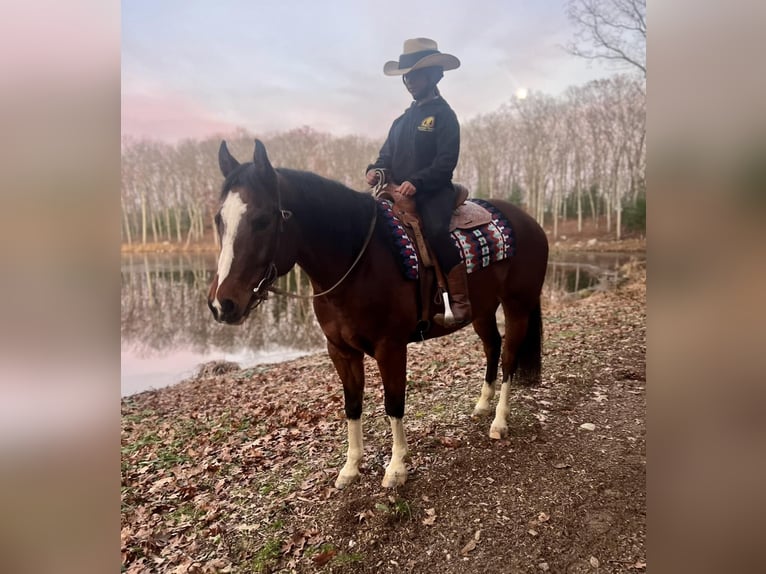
(328, 240)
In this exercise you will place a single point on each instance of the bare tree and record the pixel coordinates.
(611, 30)
(557, 156)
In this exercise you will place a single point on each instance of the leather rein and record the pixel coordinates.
(266, 284)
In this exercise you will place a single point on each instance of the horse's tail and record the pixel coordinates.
(529, 355)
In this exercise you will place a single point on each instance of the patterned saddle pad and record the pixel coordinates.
(479, 247)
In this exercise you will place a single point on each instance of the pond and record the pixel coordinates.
(167, 330)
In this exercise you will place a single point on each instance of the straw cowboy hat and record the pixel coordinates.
(420, 53)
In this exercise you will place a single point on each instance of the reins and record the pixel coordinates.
(272, 273)
(279, 291)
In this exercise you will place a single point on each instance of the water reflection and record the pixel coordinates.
(572, 273)
(167, 329)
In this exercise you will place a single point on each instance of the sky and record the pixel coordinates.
(193, 68)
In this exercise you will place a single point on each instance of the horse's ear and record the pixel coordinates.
(226, 161)
(262, 164)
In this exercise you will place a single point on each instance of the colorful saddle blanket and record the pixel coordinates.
(479, 247)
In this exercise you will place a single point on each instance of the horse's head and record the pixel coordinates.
(248, 225)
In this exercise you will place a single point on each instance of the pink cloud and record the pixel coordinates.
(168, 117)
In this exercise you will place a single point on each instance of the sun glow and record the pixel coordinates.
(521, 93)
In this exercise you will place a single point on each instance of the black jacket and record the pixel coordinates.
(422, 146)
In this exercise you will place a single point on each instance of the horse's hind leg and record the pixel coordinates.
(516, 322)
(350, 366)
(486, 329)
(392, 362)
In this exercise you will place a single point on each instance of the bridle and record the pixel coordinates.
(266, 284)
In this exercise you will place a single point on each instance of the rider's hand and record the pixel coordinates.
(406, 188)
(372, 177)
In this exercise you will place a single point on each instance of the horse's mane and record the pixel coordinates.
(339, 213)
(326, 208)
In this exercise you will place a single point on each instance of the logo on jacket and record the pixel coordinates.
(427, 125)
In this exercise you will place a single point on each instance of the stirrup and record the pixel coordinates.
(447, 319)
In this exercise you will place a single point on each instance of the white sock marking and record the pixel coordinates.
(499, 426)
(354, 455)
(487, 394)
(396, 472)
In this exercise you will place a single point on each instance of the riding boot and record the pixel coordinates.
(457, 287)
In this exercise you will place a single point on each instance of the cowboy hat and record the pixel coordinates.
(420, 53)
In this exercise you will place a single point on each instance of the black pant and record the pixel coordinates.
(435, 208)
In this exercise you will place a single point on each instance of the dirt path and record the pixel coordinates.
(233, 471)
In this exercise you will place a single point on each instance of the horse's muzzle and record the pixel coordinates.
(227, 311)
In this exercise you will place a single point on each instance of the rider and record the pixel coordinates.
(420, 154)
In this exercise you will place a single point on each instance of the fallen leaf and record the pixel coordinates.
(588, 426)
(160, 483)
(364, 515)
(594, 562)
(324, 557)
(468, 547)
(562, 465)
(542, 517)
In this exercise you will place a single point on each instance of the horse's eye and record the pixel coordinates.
(261, 222)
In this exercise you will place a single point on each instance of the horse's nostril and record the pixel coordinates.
(227, 306)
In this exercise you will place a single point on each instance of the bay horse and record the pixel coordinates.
(272, 219)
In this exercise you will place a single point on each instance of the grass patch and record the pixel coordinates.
(398, 510)
(267, 556)
(347, 559)
(186, 513)
(135, 445)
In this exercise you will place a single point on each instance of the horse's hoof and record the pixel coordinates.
(481, 411)
(394, 479)
(497, 433)
(344, 480)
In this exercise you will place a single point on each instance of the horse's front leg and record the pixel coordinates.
(350, 366)
(392, 362)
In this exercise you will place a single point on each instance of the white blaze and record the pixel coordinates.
(231, 213)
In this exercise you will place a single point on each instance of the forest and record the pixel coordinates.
(577, 156)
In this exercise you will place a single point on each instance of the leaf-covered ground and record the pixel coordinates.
(233, 471)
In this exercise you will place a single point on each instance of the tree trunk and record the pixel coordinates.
(167, 224)
(619, 218)
(179, 236)
(608, 209)
(126, 223)
(189, 211)
(143, 217)
(216, 239)
(155, 233)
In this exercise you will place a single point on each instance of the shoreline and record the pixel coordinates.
(565, 244)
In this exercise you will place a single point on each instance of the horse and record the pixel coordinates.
(271, 219)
